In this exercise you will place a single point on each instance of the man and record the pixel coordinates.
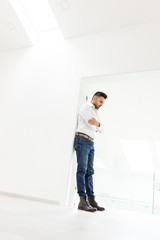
(88, 124)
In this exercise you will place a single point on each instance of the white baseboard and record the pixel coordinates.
(30, 198)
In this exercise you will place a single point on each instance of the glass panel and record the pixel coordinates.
(127, 172)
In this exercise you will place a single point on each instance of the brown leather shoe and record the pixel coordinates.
(84, 205)
(93, 203)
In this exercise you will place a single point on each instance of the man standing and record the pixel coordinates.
(88, 124)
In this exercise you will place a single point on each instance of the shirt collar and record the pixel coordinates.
(91, 105)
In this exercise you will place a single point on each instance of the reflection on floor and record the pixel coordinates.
(28, 220)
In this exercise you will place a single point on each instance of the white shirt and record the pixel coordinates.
(88, 111)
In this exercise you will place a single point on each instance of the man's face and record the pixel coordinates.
(98, 102)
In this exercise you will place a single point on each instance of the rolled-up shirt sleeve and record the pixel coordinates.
(100, 129)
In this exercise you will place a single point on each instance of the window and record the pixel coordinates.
(39, 13)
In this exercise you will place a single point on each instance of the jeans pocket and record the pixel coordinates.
(77, 143)
(75, 146)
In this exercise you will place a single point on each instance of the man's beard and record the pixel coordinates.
(97, 107)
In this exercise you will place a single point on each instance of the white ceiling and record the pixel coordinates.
(78, 18)
(81, 17)
(12, 33)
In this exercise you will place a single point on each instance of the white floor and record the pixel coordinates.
(28, 220)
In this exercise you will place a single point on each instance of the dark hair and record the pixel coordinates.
(100, 94)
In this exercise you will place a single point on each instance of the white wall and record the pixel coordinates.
(125, 50)
(39, 89)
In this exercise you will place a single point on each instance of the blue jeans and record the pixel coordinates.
(85, 157)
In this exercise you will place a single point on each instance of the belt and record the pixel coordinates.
(84, 135)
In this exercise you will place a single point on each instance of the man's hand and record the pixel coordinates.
(93, 121)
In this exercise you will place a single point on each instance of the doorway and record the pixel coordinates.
(127, 156)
